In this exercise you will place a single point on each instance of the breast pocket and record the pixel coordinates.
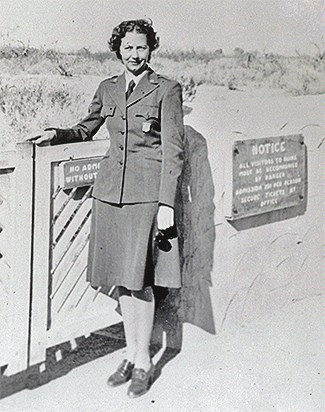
(149, 116)
(107, 111)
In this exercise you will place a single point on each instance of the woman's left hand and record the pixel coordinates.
(165, 217)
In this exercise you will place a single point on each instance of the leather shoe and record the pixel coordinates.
(141, 381)
(122, 374)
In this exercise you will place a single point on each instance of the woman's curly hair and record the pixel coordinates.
(140, 26)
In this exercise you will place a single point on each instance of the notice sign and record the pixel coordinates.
(268, 174)
(81, 172)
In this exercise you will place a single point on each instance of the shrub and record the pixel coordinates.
(45, 87)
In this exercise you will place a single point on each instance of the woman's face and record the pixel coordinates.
(135, 52)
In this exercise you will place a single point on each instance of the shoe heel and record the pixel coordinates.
(151, 379)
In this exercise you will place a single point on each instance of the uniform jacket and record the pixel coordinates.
(144, 160)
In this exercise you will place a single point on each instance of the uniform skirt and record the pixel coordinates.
(122, 251)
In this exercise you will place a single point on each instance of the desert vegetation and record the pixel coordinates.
(46, 87)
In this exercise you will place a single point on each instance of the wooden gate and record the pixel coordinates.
(63, 305)
(44, 232)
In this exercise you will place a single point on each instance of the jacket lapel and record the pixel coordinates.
(117, 91)
(146, 85)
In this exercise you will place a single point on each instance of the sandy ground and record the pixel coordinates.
(273, 364)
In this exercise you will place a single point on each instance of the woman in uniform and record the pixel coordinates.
(134, 192)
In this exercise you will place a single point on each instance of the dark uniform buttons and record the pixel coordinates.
(121, 147)
(120, 162)
(123, 117)
(122, 132)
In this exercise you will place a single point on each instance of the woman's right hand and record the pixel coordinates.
(42, 139)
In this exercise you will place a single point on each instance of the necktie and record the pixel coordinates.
(130, 89)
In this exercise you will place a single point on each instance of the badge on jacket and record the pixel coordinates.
(146, 126)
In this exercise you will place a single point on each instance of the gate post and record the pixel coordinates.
(20, 282)
(41, 256)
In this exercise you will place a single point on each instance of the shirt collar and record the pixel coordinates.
(129, 76)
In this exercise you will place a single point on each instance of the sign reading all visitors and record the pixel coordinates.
(268, 174)
(80, 172)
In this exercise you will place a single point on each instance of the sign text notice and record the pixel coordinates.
(79, 172)
(268, 174)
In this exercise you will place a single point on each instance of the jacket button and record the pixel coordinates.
(122, 132)
(121, 147)
(121, 162)
(123, 117)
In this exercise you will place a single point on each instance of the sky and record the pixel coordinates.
(280, 26)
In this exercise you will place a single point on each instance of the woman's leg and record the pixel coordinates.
(144, 308)
(138, 309)
(129, 321)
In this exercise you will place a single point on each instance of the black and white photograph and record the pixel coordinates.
(162, 205)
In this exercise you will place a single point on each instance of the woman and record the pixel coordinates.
(134, 192)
